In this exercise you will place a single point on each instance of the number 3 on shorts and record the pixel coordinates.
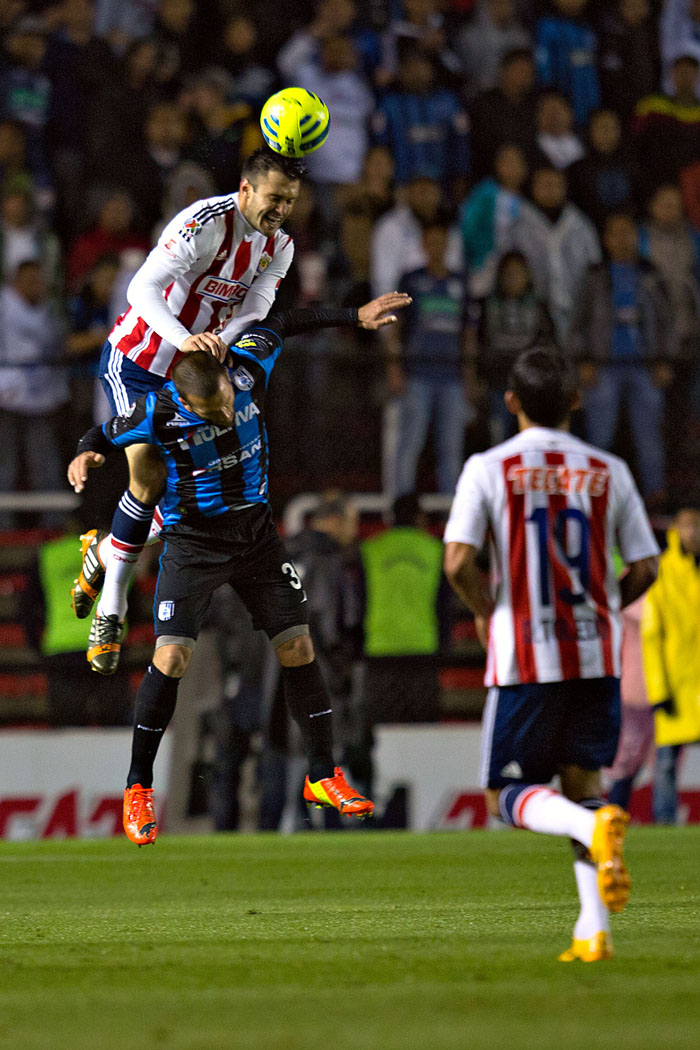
(289, 570)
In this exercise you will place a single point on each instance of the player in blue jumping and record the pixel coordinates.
(209, 424)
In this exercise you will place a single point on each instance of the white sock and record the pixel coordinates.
(549, 813)
(156, 526)
(593, 917)
(119, 571)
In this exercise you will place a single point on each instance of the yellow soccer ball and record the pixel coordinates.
(295, 122)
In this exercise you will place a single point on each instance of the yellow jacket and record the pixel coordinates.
(671, 644)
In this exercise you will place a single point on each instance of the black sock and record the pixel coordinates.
(582, 852)
(310, 707)
(155, 703)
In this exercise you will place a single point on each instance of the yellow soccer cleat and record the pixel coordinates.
(607, 853)
(92, 574)
(595, 949)
(336, 792)
(139, 818)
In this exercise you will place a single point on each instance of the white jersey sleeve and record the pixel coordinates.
(183, 243)
(260, 297)
(469, 515)
(635, 538)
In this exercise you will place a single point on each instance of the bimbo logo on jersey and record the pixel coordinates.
(222, 290)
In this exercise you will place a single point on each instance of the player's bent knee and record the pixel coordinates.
(296, 651)
(172, 659)
(147, 473)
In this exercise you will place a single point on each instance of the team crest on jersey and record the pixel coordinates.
(265, 261)
(166, 610)
(190, 229)
(243, 379)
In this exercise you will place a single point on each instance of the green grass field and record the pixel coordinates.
(341, 942)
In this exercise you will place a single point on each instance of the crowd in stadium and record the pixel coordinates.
(537, 162)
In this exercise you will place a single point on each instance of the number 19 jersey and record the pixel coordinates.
(553, 510)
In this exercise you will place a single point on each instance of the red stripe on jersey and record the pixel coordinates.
(519, 590)
(242, 260)
(270, 246)
(599, 568)
(565, 621)
(225, 246)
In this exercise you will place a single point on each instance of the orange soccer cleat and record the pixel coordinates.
(607, 853)
(92, 574)
(336, 792)
(139, 820)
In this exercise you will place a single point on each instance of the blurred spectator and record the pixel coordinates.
(494, 30)
(119, 107)
(689, 181)
(112, 233)
(15, 167)
(75, 696)
(32, 388)
(603, 181)
(424, 126)
(78, 64)
(224, 133)
(25, 89)
(628, 58)
(679, 34)
(624, 339)
(637, 729)
(556, 139)
(188, 183)
(91, 320)
(422, 24)
(331, 18)
(429, 368)
(560, 243)
(397, 239)
(506, 113)
(666, 127)
(671, 656)
(120, 22)
(667, 242)
(336, 79)
(509, 320)
(567, 50)
(489, 217)
(184, 44)
(318, 554)
(362, 206)
(405, 620)
(23, 236)
(145, 172)
(238, 54)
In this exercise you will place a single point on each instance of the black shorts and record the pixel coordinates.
(242, 548)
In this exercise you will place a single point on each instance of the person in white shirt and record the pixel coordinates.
(216, 269)
(552, 509)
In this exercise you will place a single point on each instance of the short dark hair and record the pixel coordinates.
(406, 509)
(263, 160)
(198, 374)
(544, 383)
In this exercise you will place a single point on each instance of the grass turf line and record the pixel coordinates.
(344, 941)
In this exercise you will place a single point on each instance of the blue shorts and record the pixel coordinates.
(530, 731)
(123, 381)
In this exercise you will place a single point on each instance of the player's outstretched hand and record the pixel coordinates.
(77, 471)
(379, 312)
(208, 342)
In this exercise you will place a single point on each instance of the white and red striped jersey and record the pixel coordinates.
(553, 509)
(211, 271)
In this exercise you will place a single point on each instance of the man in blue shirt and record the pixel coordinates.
(209, 424)
(429, 368)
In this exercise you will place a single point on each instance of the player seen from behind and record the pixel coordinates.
(216, 268)
(208, 423)
(553, 509)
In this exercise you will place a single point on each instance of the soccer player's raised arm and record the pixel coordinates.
(372, 316)
(133, 428)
